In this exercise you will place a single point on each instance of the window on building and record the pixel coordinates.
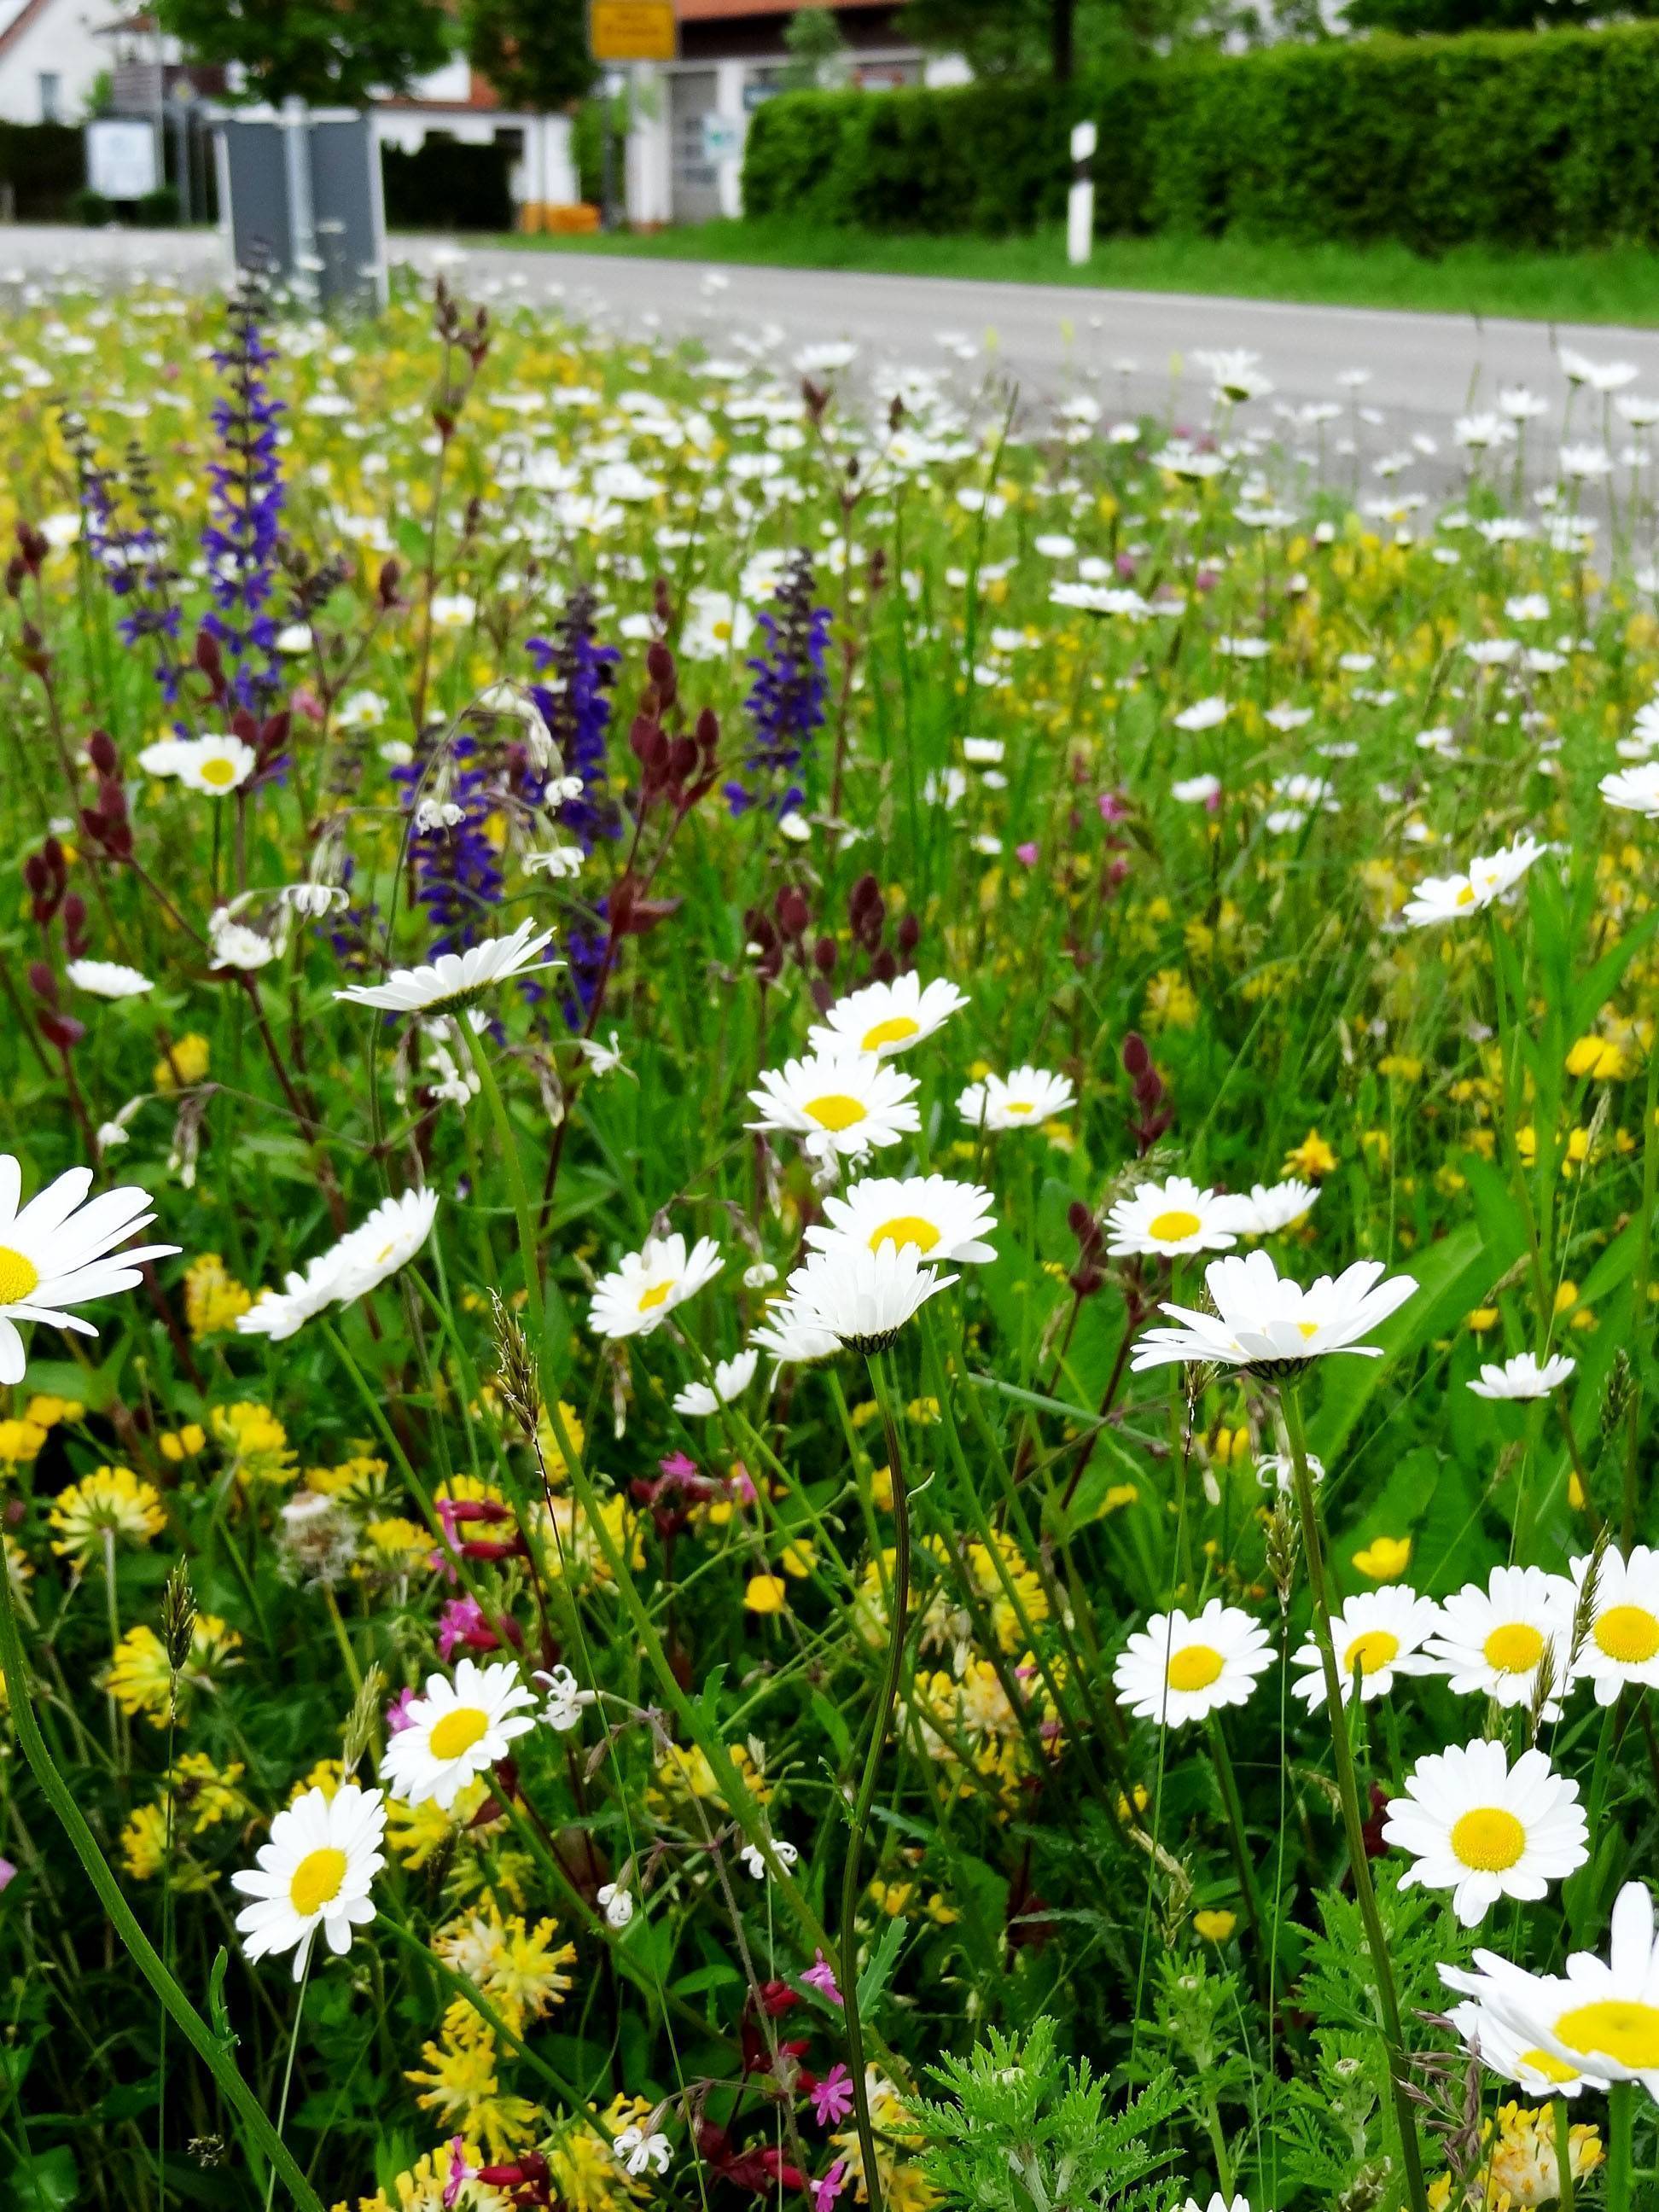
(51, 96)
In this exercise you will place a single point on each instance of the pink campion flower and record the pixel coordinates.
(825, 2192)
(676, 1466)
(1114, 806)
(821, 1976)
(1027, 853)
(741, 1484)
(459, 2172)
(461, 1621)
(7, 1874)
(832, 2098)
(397, 1713)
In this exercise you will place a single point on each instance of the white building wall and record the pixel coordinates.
(648, 168)
(57, 43)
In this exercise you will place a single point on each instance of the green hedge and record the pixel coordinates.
(43, 164)
(1548, 140)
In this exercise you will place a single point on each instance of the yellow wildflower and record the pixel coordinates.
(212, 1297)
(1385, 1559)
(1312, 1158)
(183, 1063)
(112, 1502)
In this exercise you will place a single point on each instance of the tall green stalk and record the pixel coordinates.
(61, 1798)
(1621, 2125)
(1347, 1785)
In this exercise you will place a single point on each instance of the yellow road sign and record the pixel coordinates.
(631, 30)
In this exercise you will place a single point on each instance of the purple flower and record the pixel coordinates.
(786, 702)
(821, 1976)
(573, 694)
(459, 2172)
(397, 1713)
(832, 2098)
(825, 2192)
(461, 1619)
(242, 536)
(7, 1874)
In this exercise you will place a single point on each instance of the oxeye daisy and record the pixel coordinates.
(886, 1019)
(1491, 1639)
(459, 1729)
(1635, 790)
(213, 766)
(1163, 1220)
(1524, 1376)
(107, 979)
(1602, 2015)
(454, 979)
(58, 1251)
(1622, 1645)
(941, 1220)
(732, 1377)
(1024, 1099)
(792, 1336)
(1180, 1667)
(314, 1873)
(1501, 2051)
(1483, 1829)
(1269, 1206)
(1489, 877)
(386, 1239)
(859, 1298)
(843, 1103)
(1376, 1636)
(647, 1286)
(279, 1313)
(1266, 1322)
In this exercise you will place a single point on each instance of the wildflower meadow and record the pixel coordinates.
(827, 1291)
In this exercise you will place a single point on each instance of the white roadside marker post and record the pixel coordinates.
(1080, 200)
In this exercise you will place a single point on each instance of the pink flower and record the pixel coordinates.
(832, 2098)
(1114, 806)
(1027, 853)
(460, 1621)
(825, 2192)
(676, 1466)
(821, 1976)
(397, 1713)
(459, 2172)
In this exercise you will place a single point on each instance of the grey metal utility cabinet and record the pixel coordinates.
(300, 196)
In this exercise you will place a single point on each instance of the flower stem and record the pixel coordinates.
(58, 1793)
(1564, 2152)
(1348, 1791)
(1622, 2120)
(287, 2070)
(509, 1144)
(898, 1609)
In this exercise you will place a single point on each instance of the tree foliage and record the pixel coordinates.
(534, 53)
(331, 52)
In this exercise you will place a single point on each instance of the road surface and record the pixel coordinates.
(1132, 349)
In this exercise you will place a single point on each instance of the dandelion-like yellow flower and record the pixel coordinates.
(212, 1297)
(111, 1502)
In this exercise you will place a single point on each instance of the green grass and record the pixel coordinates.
(1621, 285)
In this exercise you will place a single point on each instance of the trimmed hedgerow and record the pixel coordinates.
(1530, 140)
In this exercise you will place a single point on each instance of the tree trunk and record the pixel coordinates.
(1062, 16)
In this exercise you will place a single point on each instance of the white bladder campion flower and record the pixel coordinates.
(1263, 1320)
(60, 1250)
(314, 1873)
(454, 979)
(1482, 1829)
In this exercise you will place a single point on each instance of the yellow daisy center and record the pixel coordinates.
(651, 1299)
(219, 772)
(896, 1030)
(906, 1229)
(1018, 1106)
(317, 1880)
(1628, 1634)
(1196, 1667)
(1513, 1649)
(1489, 1839)
(835, 1110)
(457, 1731)
(1466, 896)
(1307, 1330)
(1546, 2064)
(18, 1276)
(1617, 2027)
(1371, 1651)
(1174, 1227)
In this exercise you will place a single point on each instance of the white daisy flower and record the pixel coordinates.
(1271, 1207)
(1164, 1218)
(280, 1314)
(1376, 1636)
(1196, 790)
(886, 1019)
(1218, 2203)
(1483, 1829)
(732, 1378)
(644, 1288)
(1264, 1320)
(846, 1102)
(314, 1873)
(455, 977)
(942, 1219)
(1022, 1100)
(457, 1730)
(1623, 1643)
(1523, 1377)
(214, 766)
(1489, 877)
(57, 1252)
(1180, 1667)
(386, 1240)
(1634, 790)
(859, 1298)
(1491, 1639)
(1499, 2050)
(1599, 2015)
(107, 979)
(792, 1336)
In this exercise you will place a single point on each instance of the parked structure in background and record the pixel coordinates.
(689, 117)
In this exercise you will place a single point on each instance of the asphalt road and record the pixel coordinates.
(1133, 349)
